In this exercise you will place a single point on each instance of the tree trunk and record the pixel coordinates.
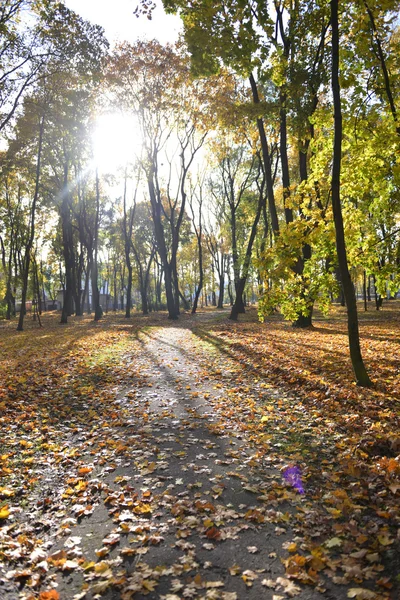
(239, 304)
(365, 290)
(7, 267)
(377, 46)
(129, 291)
(115, 297)
(360, 372)
(369, 288)
(304, 321)
(98, 313)
(221, 285)
(68, 247)
(127, 233)
(378, 297)
(284, 156)
(266, 161)
(29, 244)
(161, 246)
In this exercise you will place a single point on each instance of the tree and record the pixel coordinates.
(196, 198)
(144, 248)
(39, 39)
(360, 372)
(153, 83)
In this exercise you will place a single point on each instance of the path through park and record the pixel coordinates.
(170, 495)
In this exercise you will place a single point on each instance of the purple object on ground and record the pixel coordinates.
(292, 476)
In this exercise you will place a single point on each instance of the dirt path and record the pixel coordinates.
(202, 524)
(176, 502)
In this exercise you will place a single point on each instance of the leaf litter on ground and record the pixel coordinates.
(236, 440)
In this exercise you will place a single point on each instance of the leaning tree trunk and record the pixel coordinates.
(360, 371)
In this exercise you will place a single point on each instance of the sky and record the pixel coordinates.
(120, 24)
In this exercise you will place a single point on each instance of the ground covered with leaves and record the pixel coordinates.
(199, 459)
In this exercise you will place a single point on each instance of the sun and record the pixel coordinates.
(116, 141)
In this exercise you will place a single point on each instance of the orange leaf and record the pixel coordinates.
(50, 595)
(213, 533)
(84, 470)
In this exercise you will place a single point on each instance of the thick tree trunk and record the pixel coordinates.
(303, 321)
(143, 296)
(238, 306)
(360, 372)
(173, 312)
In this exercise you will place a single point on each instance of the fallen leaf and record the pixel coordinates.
(361, 594)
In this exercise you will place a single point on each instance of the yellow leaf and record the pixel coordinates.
(334, 512)
(142, 508)
(385, 540)
(101, 567)
(4, 512)
(81, 485)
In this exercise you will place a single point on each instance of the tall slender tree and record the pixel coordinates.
(357, 362)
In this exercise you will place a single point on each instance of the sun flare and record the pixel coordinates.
(116, 141)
